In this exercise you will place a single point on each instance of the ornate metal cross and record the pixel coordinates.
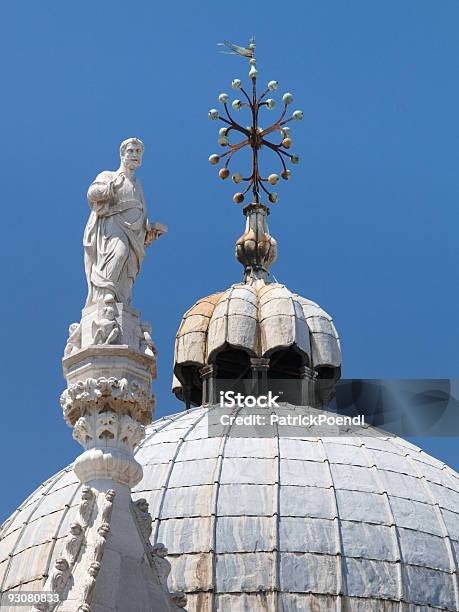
(254, 135)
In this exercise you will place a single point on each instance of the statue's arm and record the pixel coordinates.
(100, 192)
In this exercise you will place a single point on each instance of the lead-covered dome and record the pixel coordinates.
(357, 524)
(258, 320)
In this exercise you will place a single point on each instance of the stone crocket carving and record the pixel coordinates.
(117, 231)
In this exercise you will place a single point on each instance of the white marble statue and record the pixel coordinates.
(117, 231)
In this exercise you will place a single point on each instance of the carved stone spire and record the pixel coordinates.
(109, 363)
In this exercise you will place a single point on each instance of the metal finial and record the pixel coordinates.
(255, 136)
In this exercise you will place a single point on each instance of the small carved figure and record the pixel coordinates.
(73, 542)
(88, 588)
(59, 575)
(131, 432)
(86, 505)
(162, 565)
(143, 518)
(102, 535)
(74, 339)
(147, 345)
(178, 599)
(82, 432)
(107, 425)
(107, 506)
(107, 329)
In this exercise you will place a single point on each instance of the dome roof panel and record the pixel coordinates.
(242, 333)
(190, 348)
(194, 323)
(325, 350)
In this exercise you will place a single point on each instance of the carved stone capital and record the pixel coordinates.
(114, 430)
(97, 394)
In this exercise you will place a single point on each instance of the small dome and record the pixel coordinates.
(259, 320)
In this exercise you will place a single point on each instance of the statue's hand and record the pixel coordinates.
(118, 182)
(154, 231)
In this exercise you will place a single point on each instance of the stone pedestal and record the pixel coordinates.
(108, 562)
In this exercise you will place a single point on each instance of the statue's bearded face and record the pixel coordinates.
(132, 156)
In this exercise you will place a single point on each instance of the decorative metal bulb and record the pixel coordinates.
(236, 83)
(223, 141)
(223, 131)
(270, 103)
(236, 178)
(238, 197)
(237, 105)
(287, 143)
(223, 173)
(273, 179)
(286, 174)
(214, 159)
(223, 98)
(287, 98)
(253, 72)
(213, 114)
(273, 85)
(285, 132)
(295, 159)
(273, 197)
(298, 115)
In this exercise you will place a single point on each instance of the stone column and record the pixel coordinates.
(209, 390)
(109, 365)
(260, 367)
(108, 400)
(308, 377)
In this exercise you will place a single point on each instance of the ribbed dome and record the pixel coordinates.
(259, 319)
(355, 524)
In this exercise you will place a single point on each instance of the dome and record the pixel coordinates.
(358, 524)
(260, 320)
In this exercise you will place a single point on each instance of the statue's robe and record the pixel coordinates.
(114, 238)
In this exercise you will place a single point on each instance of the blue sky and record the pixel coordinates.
(367, 226)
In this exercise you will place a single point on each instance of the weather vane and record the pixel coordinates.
(254, 135)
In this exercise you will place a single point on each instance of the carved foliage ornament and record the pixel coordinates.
(120, 394)
(89, 430)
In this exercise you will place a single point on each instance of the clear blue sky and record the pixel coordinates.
(368, 225)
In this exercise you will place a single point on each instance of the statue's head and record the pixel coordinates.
(131, 151)
(109, 312)
(61, 564)
(76, 529)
